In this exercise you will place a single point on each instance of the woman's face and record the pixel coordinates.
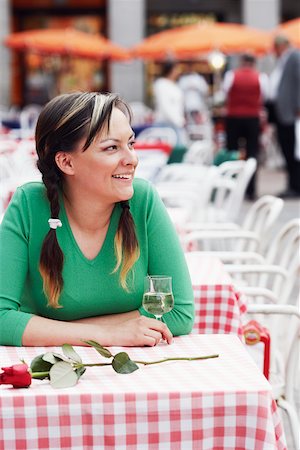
(106, 169)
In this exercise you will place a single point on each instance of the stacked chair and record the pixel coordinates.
(218, 192)
(268, 276)
(283, 325)
(250, 236)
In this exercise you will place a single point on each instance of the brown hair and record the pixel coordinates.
(63, 122)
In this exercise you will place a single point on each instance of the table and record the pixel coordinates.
(219, 306)
(217, 403)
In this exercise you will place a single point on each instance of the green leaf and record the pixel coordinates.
(123, 364)
(62, 375)
(69, 351)
(80, 371)
(102, 350)
(38, 364)
(51, 358)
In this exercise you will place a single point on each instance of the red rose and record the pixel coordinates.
(17, 375)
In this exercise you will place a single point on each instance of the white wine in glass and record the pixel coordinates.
(158, 297)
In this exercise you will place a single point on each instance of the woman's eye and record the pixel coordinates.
(111, 148)
(131, 144)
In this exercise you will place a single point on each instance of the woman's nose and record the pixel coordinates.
(130, 157)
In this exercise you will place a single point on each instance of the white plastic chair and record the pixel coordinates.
(185, 186)
(229, 190)
(226, 191)
(259, 220)
(281, 269)
(284, 362)
(158, 134)
(150, 163)
(199, 152)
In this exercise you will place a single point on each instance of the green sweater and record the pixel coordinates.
(90, 288)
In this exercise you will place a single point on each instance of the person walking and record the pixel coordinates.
(245, 89)
(284, 108)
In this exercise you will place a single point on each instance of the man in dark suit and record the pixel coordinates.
(285, 96)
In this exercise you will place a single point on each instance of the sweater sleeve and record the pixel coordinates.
(13, 270)
(167, 258)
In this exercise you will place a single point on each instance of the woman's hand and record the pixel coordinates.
(138, 331)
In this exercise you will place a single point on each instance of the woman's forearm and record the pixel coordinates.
(41, 331)
(128, 329)
(109, 319)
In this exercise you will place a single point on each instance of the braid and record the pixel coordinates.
(126, 244)
(51, 258)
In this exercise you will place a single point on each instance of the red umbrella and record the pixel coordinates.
(192, 40)
(67, 41)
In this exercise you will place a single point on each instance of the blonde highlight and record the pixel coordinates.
(125, 260)
(51, 288)
(126, 246)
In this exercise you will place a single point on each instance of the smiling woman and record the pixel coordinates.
(75, 249)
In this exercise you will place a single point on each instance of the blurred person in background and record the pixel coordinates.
(169, 101)
(284, 109)
(246, 90)
(196, 92)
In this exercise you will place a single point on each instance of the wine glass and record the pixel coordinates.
(158, 297)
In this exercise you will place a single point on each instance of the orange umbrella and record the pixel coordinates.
(291, 29)
(192, 40)
(67, 41)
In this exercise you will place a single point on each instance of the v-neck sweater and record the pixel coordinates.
(91, 288)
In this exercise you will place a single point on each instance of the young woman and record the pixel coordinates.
(75, 249)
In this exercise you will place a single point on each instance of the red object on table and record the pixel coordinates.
(254, 332)
(156, 145)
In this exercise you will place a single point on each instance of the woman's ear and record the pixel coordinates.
(64, 162)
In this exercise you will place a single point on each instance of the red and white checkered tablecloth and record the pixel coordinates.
(220, 403)
(219, 306)
(218, 309)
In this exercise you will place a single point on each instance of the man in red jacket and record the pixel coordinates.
(245, 89)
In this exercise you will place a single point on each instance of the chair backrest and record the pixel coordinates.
(281, 268)
(229, 191)
(241, 172)
(261, 216)
(199, 152)
(284, 346)
(283, 251)
(158, 134)
(185, 177)
(182, 172)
